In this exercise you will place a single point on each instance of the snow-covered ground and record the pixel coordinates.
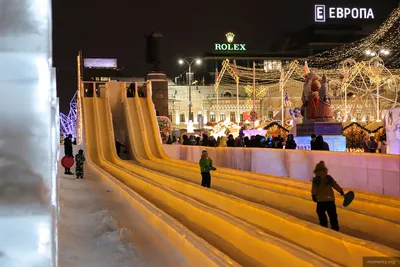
(98, 230)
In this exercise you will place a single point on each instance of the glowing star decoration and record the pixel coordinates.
(229, 37)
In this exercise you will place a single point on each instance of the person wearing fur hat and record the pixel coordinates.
(323, 195)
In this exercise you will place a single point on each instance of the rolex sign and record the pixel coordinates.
(230, 46)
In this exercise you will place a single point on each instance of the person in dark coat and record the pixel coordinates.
(269, 142)
(204, 142)
(323, 195)
(131, 90)
(246, 141)
(212, 142)
(68, 151)
(313, 142)
(239, 141)
(290, 143)
(186, 141)
(321, 144)
(118, 147)
(373, 145)
(169, 141)
(231, 141)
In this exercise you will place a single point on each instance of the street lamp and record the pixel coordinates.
(373, 53)
(190, 61)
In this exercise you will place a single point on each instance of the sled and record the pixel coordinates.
(207, 169)
(348, 198)
(67, 162)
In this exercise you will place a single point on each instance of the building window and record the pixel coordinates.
(182, 119)
(170, 116)
(223, 117)
(232, 117)
(270, 114)
(212, 116)
(241, 117)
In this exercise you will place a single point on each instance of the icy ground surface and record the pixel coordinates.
(98, 230)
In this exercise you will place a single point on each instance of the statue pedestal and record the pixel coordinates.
(331, 131)
(309, 127)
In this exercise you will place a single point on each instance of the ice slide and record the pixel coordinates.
(244, 243)
(272, 221)
(366, 219)
(197, 252)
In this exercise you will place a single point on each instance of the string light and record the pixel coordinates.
(368, 75)
(386, 37)
(68, 122)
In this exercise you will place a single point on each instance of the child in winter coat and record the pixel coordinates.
(323, 195)
(205, 165)
(79, 159)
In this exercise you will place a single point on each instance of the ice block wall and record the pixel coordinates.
(28, 135)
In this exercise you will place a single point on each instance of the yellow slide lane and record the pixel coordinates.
(280, 224)
(196, 250)
(353, 222)
(378, 205)
(241, 241)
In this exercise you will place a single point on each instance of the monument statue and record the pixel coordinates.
(324, 111)
(310, 96)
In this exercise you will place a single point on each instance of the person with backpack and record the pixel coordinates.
(323, 195)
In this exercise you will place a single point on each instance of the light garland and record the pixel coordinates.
(367, 76)
(68, 122)
(387, 36)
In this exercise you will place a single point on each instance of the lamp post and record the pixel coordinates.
(376, 54)
(190, 61)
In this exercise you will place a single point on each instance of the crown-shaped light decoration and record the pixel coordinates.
(229, 37)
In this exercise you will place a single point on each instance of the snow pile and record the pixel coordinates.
(116, 241)
(107, 222)
(89, 234)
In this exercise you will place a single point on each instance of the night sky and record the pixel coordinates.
(116, 28)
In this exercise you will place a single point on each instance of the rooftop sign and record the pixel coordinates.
(324, 13)
(229, 46)
(100, 63)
